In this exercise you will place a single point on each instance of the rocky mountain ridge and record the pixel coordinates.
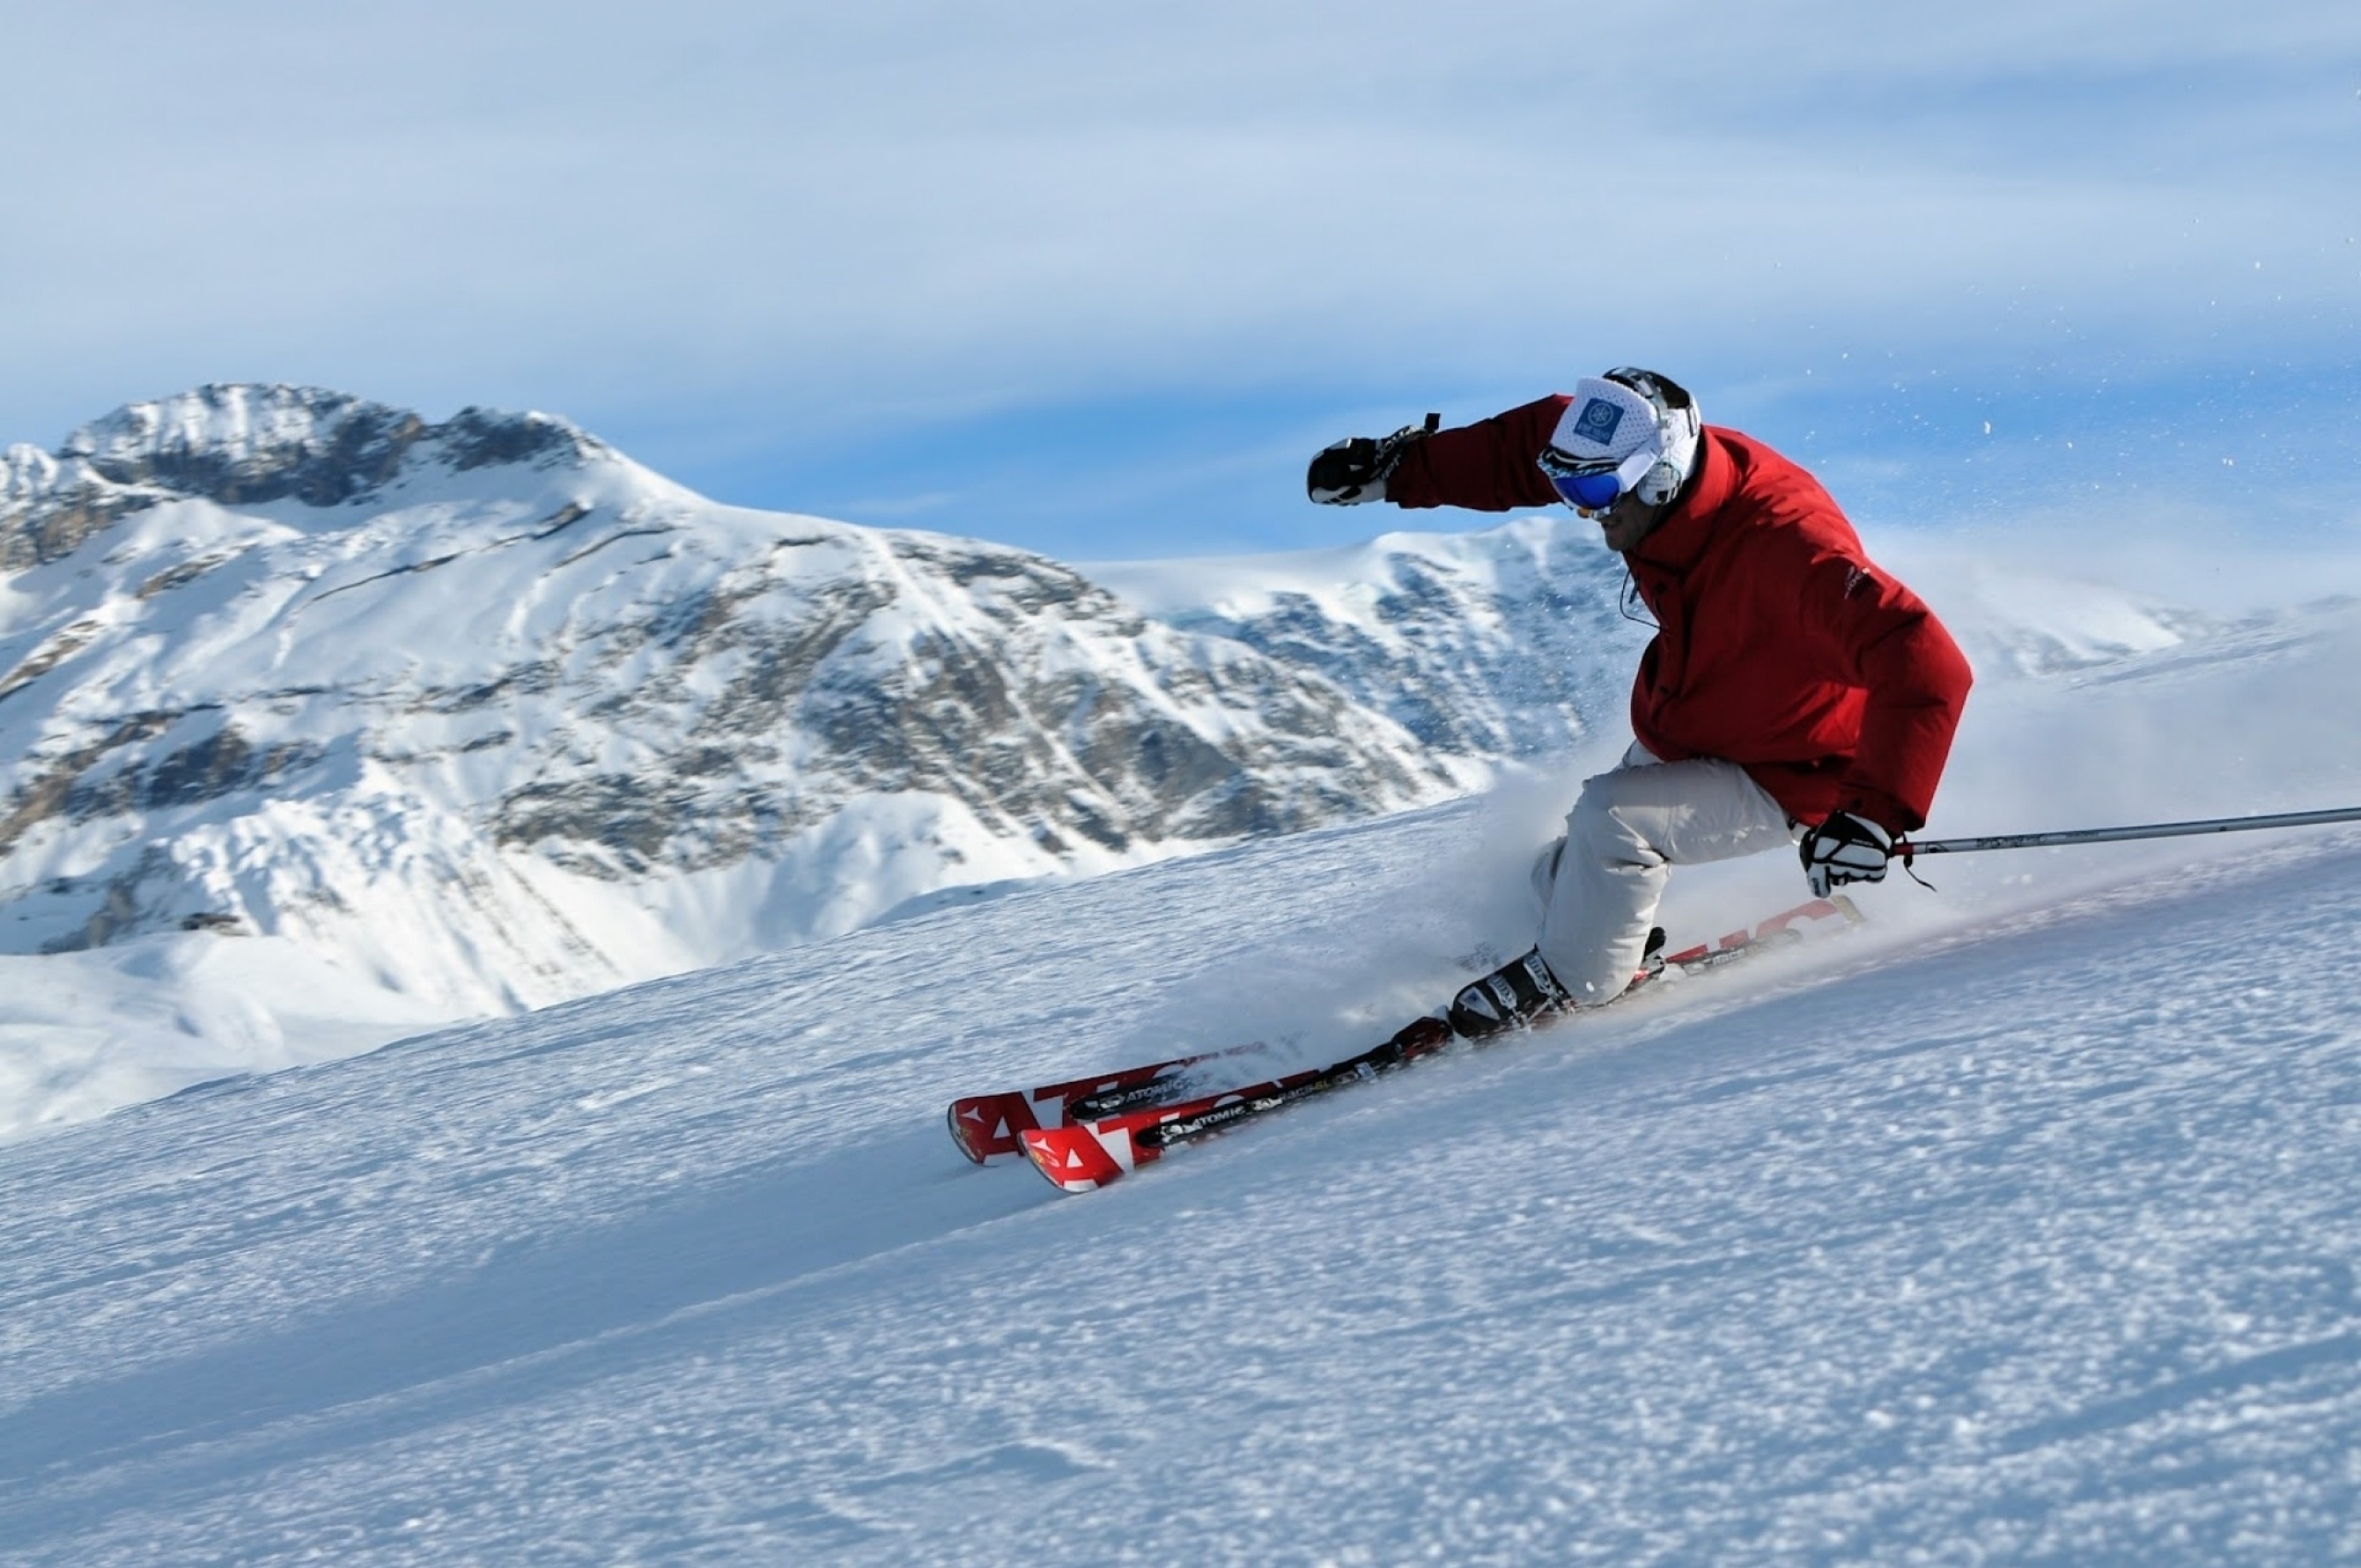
(240, 446)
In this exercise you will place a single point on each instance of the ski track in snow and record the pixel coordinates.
(2023, 1235)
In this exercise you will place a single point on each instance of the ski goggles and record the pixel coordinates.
(1594, 484)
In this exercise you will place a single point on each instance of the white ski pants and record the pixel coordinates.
(1600, 884)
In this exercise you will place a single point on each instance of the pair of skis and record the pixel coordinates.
(1086, 1133)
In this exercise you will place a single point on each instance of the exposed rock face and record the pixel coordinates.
(48, 505)
(244, 445)
(488, 711)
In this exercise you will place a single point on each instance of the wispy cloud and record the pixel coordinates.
(762, 246)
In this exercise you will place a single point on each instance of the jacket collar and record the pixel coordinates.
(1677, 541)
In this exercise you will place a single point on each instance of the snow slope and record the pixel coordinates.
(2020, 1226)
(82, 1033)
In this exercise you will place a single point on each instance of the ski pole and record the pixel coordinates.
(1909, 849)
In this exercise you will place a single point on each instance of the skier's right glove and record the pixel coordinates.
(1845, 848)
(1355, 469)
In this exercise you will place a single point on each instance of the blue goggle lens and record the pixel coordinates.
(1590, 492)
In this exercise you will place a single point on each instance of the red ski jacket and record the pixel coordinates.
(1780, 646)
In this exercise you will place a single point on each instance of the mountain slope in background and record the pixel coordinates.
(488, 713)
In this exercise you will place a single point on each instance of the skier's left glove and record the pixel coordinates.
(1350, 471)
(1845, 848)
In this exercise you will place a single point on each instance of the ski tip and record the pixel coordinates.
(1072, 1157)
(959, 1137)
(986, 1125)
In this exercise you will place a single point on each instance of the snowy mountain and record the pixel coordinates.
(2019, 1226)
(488, 714)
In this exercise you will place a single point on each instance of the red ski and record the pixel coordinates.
(1086, 1153)
(1082, 1157)
(988, 1124)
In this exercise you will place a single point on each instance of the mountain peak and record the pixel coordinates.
(244, 444)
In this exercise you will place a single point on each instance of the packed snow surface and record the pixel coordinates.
(2019, 1226)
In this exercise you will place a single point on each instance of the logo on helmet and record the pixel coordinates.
(1597, 421)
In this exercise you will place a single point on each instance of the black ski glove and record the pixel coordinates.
(1354, 469)
(1845, 848)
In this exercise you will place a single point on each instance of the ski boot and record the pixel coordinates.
(1515, 996)
(1526, 993)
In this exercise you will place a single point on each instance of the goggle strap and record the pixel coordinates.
(1634, 469)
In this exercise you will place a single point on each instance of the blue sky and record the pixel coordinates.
(1097, 279)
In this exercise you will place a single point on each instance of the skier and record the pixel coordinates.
(1793, 692)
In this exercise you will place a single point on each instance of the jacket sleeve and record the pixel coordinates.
(1884, 639)
(1487, 467)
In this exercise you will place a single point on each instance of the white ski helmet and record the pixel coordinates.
(1614, 418)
